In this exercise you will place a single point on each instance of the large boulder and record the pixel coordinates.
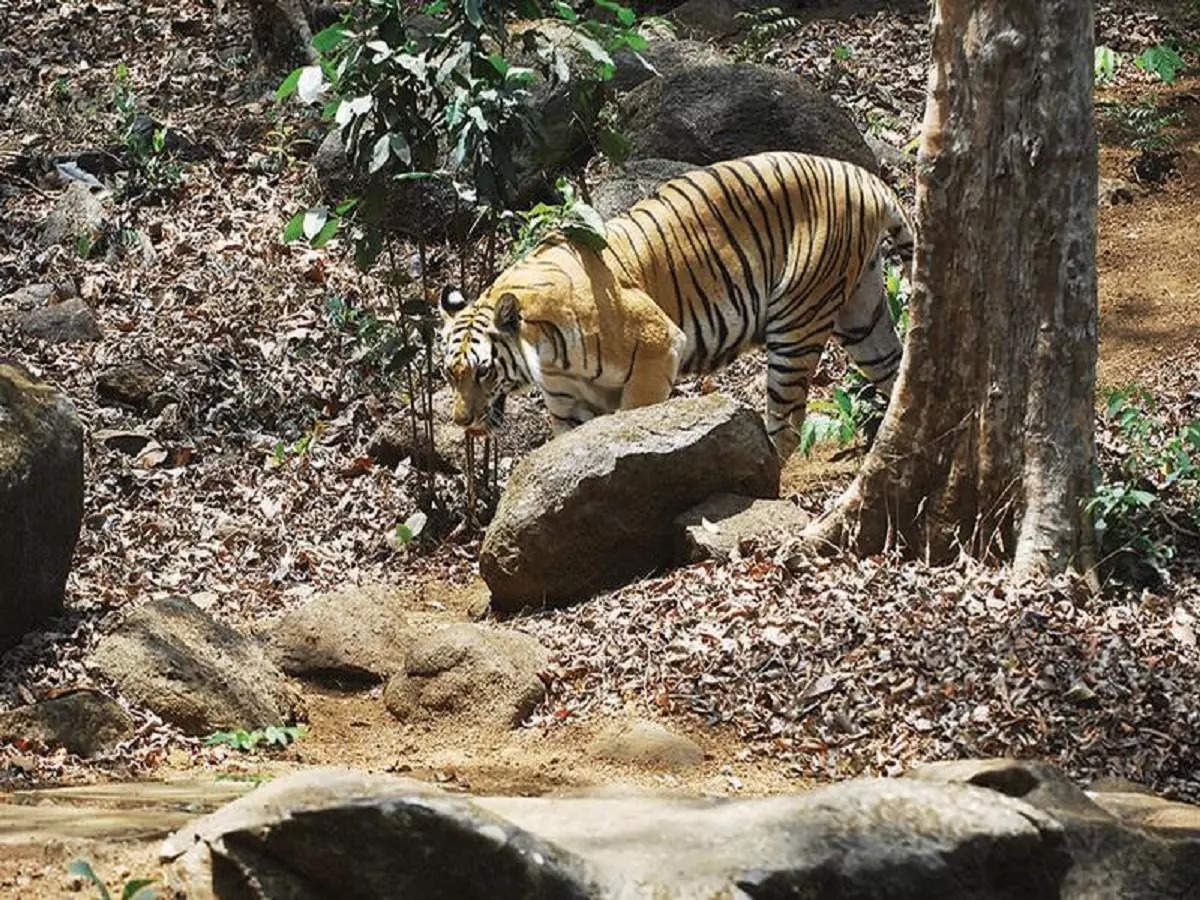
(84, 722)
(311, 833)
(594, 507)
(661, 58)
(479, 676)
(41, 500)
(708, 113)
(193, 671)
(351, 636)
(637, 179)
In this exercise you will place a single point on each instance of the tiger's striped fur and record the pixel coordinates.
(779, 249)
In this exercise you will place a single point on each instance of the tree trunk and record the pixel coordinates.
(988, 444)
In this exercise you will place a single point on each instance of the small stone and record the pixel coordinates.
(647, 743)
(84, 722)
(128, 384)
(61, 323)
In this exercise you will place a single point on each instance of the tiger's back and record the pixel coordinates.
(775, 249)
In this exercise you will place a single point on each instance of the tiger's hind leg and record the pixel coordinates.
(864, 328)
(791, 360)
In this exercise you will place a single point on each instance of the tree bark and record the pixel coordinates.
(987, 446)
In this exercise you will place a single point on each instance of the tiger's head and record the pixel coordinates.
(481, 356)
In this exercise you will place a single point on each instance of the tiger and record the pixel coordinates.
(779, 249)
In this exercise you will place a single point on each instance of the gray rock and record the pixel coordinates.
(61, 323)
(324, 833)
(312, 833)
(707, 113)
(1110, 858)
(717, 18)
(176, 660)
(41, 500)
(354, 635)
(729, 524)
(594, 507)
(77, 212)
(647, 743)
(28, 297)
(132, 384)
(636, 180)
(84, 722)
(664, 57)
(480, 676)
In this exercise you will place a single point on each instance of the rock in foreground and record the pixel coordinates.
(313, 833)
(594, 507)
(41, 500)
(173, 658)
(726, 524)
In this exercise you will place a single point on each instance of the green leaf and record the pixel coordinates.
(314, 221)
(328, 39)
(624, 14)
(404, 534)
(401, 149)
(83, 869)
(328, 230)
(1161, 59)
(584, 225)
(136, 888)
(565, 12)
(474, 14)
(294, 229)
(345, 206)
(593, 49)
(288, 87)
(499, 63)
(380, 153)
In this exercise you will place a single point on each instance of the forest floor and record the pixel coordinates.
(892, 662)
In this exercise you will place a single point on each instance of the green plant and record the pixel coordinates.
(1107, 61)
(271, 736)
(407, 531)
(1162, 60)
(134, 889)
(1155, 483)
(898, 294)
(154, 175)
(841, 53)
(1144, 125)
(453, 104)
(842, 419)
(763, 27)
(574, 218)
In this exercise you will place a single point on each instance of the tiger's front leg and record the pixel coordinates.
(566, 410)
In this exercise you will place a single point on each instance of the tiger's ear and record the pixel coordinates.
(453, 302)
(508, 314)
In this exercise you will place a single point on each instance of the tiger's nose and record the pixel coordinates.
(462, 416)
